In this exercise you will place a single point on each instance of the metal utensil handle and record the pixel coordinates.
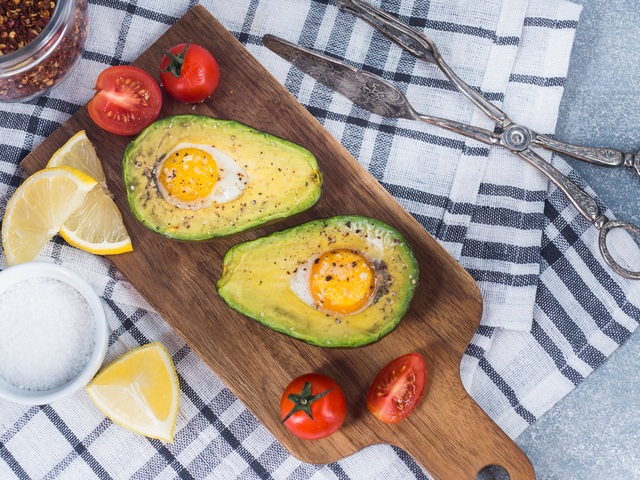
(421, 46)
(604, 250)
(480, 134)
(488, 108)
(586, 205)
(393, 29)
(606, 157)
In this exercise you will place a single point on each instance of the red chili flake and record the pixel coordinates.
(21, 21)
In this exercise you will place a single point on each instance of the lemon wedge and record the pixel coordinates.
(97, 225)
(140, 391)
(38, 209)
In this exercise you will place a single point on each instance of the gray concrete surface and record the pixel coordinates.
(594, 432)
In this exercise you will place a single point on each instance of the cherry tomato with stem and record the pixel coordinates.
(127, 100)
(397, 388)
(313, 406)
(189, 73)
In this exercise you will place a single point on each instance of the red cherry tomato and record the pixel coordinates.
(127, 100)
(397, 388)
(313, 406)
(189, 73)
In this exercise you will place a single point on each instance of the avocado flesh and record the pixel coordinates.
(256, 280)
(283, 178)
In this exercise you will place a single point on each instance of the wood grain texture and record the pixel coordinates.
(448, 433)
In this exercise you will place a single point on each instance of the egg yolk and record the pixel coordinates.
(342, 281)
(189, 174)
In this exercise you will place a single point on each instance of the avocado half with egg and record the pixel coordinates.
(192, 177)
(339, 282)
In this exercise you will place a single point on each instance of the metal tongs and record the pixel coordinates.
(520, 137)
(375, 95)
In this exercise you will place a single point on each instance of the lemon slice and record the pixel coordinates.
(97, 225)
(38, 209)
(79, 153)
(140, 391)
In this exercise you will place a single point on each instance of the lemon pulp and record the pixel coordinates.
(140, 391)
(96, 226)
(39, 208)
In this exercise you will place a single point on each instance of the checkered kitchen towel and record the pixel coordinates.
(553, 310)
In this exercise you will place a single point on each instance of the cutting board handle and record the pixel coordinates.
(518, 467)
(482, 444)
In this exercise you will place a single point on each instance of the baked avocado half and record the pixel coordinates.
(192, 177)
(339, 282)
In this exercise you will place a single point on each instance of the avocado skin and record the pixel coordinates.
(255, 280)
(284, 178)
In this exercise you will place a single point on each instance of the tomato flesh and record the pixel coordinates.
(328, 412)
(397, 388)
(127, 100)
(199, 74)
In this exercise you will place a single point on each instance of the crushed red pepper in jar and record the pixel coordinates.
(40, 41)
(21, 21)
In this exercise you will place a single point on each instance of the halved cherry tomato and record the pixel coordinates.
(313, 406)
(127, 100)
(189, 73)
(397, 388)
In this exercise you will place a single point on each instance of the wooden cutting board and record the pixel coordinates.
(448, 434)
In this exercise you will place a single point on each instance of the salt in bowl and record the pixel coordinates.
(19, 273)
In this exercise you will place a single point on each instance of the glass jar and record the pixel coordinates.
(42, 63)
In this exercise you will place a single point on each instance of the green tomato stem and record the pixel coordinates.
(176, 61)
(303, 400)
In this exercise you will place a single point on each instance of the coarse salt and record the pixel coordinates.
(47, 334)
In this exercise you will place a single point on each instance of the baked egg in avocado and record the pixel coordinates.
(339, 282)
(192, 177)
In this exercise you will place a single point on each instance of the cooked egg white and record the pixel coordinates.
(193, 176)
(340, 282)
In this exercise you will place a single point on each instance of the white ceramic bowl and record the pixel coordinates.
(24, 271)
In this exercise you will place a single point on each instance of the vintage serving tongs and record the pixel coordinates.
(377, 96)
(423, 47)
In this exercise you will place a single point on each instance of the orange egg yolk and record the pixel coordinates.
(189, 174)
(342, 281)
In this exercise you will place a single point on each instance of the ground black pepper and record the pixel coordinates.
(57, 63)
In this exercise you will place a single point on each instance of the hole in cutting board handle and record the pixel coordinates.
(493, 472)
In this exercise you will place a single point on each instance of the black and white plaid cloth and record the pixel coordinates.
(553, 310)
